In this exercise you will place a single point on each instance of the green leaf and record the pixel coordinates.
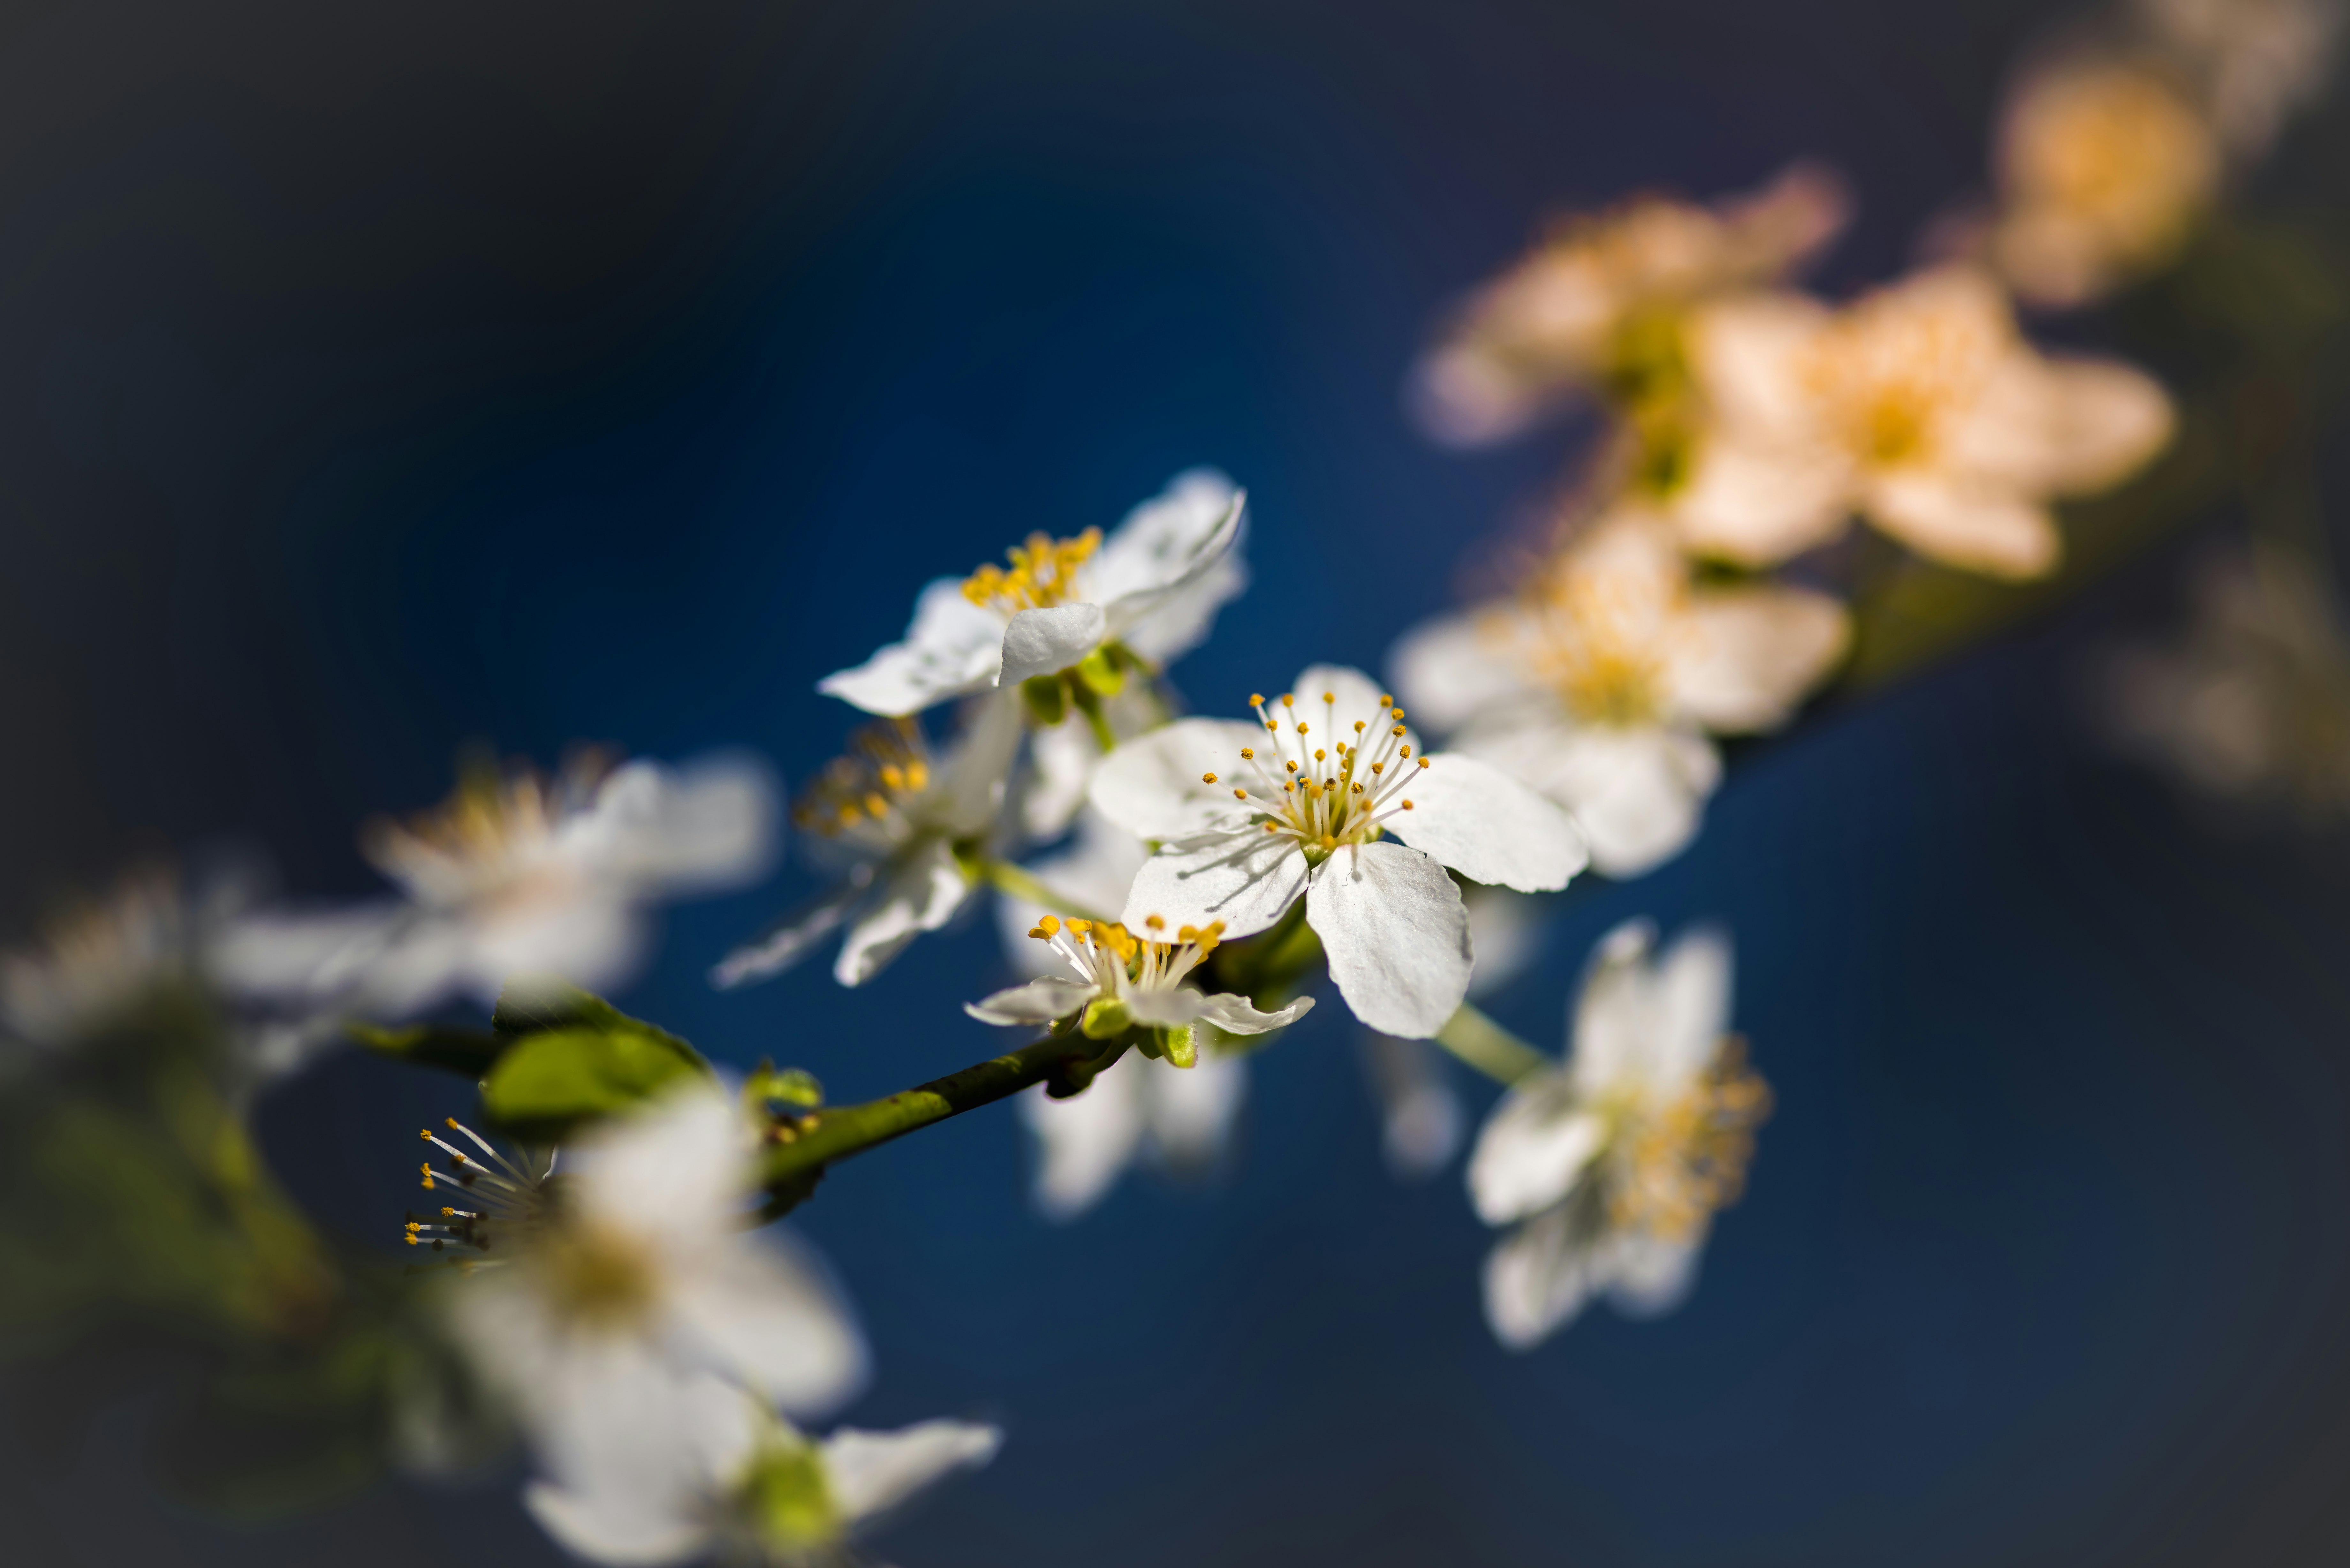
(530, 1003)
(550, 1081)
(466, 1051)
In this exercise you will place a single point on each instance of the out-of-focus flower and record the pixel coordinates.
(1124, 980)
(94, 965)
(2252, 61)
(1611, 1168)
(892, 822)
(2253, 702)
(516, 875)
(1179, 1118)
(1253, 818)
(584, 1296)
(721, 1472)
(1919, 407)
(1598, 307)
(2104, 168)
(1152, 588)
(1599, 684)
(1063, 758)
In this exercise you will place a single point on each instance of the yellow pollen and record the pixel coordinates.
(1407, 805)
(1248, 753)
(1319, 754)
(1329, 696)
(1359, 726)
(1256, 700)
(1423, 762)
(428, 1176)
(884, 763)
(1239, 795)
(1379, 767)
(1207, 778)
(1288, 700)
(1043, 574)
(1049, 924)
(1302, 727)
(1386, 700)
(1154, 922)
(425, 1133)
(1081, 927)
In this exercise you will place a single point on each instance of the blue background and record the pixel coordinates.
(371, 387)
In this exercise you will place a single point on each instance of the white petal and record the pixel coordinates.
(953, 647)
(1977, 528)
(1353, 698)
(617, 1527)
(1536, 1280)
(1040, 1000)
(1693, 990)
(709, 826)
(1190, 1111)
(1446, 671)
(763, 1312)
(1236, 1015)
(1042, 642)
(921, 894)
(971, 782)
(1063, 758)
(1396, 935)
(1614, 1018)
(870, 1472)
(1488, 827)
(1153, 785)
(793, 937)
(1752, 654)
(1636, 794)
(679, 1167)
(1247, 879)
(1757, 504)
(1084, 1143)
(1533, 1149)
(1650, 1276)
(1174, 562)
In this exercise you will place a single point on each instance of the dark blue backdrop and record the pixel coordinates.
(373, 386)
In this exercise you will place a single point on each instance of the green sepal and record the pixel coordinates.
(787, 1498)
(1047, 699)
(1106, 1018)
(1175, 1045)
(467, 1050)
(1102, 672)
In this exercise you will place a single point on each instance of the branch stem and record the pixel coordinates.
(1488, 1047)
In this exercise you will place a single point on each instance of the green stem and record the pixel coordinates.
(1103, 736)
(1488, 1047)
(1023, 883)
(835, 1134)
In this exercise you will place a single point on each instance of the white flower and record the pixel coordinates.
(1600, 683)
(716, 1469)
(1597, 306)
(2252, 61)
(1121, 980)
(588, 1293)
(2104, 168)
(1919, 407)
(1253, 818)
(1612, 1167)
(1152, 587)
(889, 820)
(96, 963)
(515, 876)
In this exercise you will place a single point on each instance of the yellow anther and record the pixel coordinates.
(893, 777)
(1423, 762)
(1273, 828)
(1256, 700)
(1379, 767)
(1301, 728)
(1360, 726)
(1248, 753)
(1044, 573)
(1405, 753)
(1329, 696)
(1049, 924)
(1288, 700)
(1239, 795)
(1207, 778)
(1407, 805)
(1386, 700)
(1186, 933)
(447, 1213)
(1154, 922)
(426, 1134)
(452, 1125)
(428, 1177)
(1080, 927)
(1319, 754)
(1274, 725)
(412, 1237)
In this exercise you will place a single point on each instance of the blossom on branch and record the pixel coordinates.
(1152, 589)
(1921, 407)
(892, 823)
(1600, 683)
(1611, 1167)
(1250, 818)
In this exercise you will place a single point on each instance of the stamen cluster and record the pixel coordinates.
(1676, 1165)
(493, 826)
(1115, 960)
(1601, 641)
(1892, 371)
(505, 1202)
(1043, 574)
(886, 762)
(1336, 791)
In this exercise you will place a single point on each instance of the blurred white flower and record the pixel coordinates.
(2253, 701)
(891, 823)
(516, 875)
(1253, 818)
(2102, 170)
(96, 962)
(1599, 684)
(1919, 407)
(591, 1292)
(1612, 1167)
(1597, 306)
(1062, 758)
(718, 1470)
(2252, 61)
(1152, 587)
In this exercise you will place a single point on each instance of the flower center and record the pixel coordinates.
(1674, 1166)
(596, 1277)
(2119, 149)
(1601, 643)
(861, 792)
(500, 1204)
(492, 837)
(1892, 372)
(1043, 574)
(1118, 961)
(1329, 789)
